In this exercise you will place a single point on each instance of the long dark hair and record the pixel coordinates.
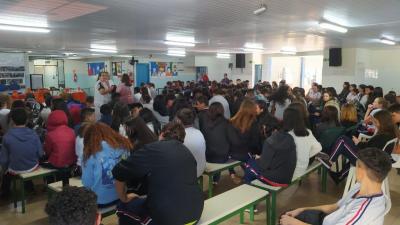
(302, 108)
(330, 115)
(138, 132)
(386, 125)
(148, 117)
(126, 80)
(119, 115)
(215, 111)
(293, 120)
(280, 95)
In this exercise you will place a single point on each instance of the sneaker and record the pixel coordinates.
(248, 210)
(325, 162)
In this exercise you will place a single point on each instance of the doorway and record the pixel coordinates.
(258, 73)
(142, 74)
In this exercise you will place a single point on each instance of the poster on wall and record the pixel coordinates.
(94, 69)
(164, 69)
(116, 68)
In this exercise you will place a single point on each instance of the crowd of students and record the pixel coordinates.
(144, 151)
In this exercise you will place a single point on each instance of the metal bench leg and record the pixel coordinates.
(252, 213)
(23, 195)
(268, 209)
(242, 217)
(273, 208)
(210, 185)
(324, 179)
(14, 195)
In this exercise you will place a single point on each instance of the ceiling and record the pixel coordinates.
(217, 25)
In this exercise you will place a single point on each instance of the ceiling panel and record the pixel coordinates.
(217, 25)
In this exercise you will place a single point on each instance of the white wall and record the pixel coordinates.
(217, 67)
(360, 67)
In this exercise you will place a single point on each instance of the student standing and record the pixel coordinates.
(102, 92)
(124, 89)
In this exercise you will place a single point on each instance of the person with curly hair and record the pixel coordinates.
(73, 206)
(103, 149)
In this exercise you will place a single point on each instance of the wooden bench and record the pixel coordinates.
(215, 168)
(40, 172)
(271, 201)
(231, 203)
(57, 187)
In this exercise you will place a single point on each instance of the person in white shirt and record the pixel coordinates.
(364, 204)
(218, 97)
(194, 139)
(314, 95)
(306, 144)
(136, 95)
(102, 92)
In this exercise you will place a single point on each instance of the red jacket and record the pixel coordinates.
(59, 144)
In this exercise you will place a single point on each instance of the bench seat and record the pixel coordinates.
(215, 168)
(231, 203)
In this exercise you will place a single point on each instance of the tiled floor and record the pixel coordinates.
(307, 194)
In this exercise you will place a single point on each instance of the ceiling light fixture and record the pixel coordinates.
(260, 10)
(177, 43)
(179, 52)
(223, 56)
(24, 29)
(334, 27)
(103, 50)
(387, 41)
(253, 50)
(176, 55)
(289, 51)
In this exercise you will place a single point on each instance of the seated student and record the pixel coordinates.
(329, 119)
(106, 116)
(90, 102)
(378, 104)
(194, 139)
(120, 114)
(364, 204)
(151, 121)
(135, 109)
(46, 110)
(59, 143)
(87, 116)
(60, 104)
(103, 149)
(73, 206)
(215, 134)
(79, 145)
(167, 163)
(277, 162)
(349, 119)
(5, 104)
(139, 133)
(306, 144)
(395, 111)
(385, 131)
(201, 106)
(21, 149)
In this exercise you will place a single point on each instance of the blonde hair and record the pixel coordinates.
(246, 115)
(348, 113)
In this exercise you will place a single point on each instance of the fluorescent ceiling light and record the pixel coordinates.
(24, 29)
(289, 50)
(176, 54)
(260, 10)
(223, 56)
(176, 43)
(387, 41)
(179, 38)
(253, 50)
(27, 20)
(105, 47)
(254, 45)
(334, 27)
(103, 50)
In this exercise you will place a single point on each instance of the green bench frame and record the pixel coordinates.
(22, 178)
(273, 191)
(210, 174)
